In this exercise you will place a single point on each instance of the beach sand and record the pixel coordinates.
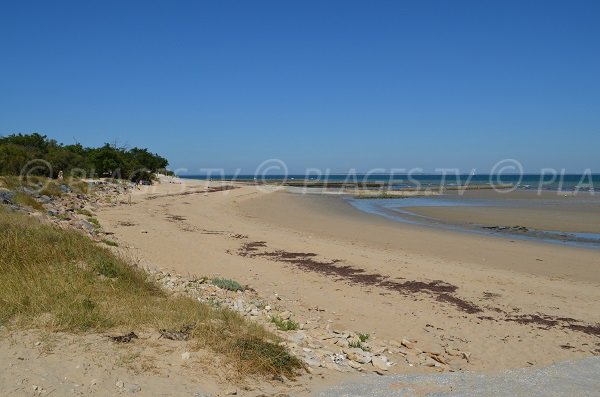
(508, 303)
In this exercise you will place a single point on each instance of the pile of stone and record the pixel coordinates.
(69, 209)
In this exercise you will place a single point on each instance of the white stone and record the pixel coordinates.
(380, 363)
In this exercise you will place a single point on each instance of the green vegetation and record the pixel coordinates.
(84, 212)
(363, 337)
(111, 243)
(227, 284)
(94, 222)
(358, 344)
(18, 150)
(284, 325)
(60, 280)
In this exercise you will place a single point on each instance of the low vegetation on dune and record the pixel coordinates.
(227, 284)
(60, 280)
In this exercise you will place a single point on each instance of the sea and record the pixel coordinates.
(556, 182)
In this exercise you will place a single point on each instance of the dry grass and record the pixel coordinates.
(61, 281)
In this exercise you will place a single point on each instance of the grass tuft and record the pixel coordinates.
(84, 212)
(284, 325)
(23, 199)
(228, 284)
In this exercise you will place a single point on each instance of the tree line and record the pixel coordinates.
(38, 155)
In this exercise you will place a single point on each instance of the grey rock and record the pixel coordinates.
(297, 337)
(6, 196)
(132, 388)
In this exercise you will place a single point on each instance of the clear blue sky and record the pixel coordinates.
(338, 84)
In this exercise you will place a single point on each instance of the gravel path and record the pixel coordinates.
(571, 378)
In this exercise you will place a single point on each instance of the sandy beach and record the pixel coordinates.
(508, 303)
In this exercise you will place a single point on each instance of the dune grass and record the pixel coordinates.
(60, 280)
(25, 200)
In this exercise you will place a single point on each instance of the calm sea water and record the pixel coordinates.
(570, 182)
(400, 210)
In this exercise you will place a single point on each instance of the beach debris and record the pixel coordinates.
(180, 335)
(126, 338)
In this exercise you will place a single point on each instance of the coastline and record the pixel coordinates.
(503, 328)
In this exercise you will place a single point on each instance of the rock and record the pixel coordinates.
(45, 199)
(297, 337)
(231, 392)
(120, 384)
(6, 196)
(439, 358)
(428, 361)
(132, 388)
(408, 344)
(453, 352)
(355, 365)
(86, 225)
(186, 355)
(380, 363)
(412, 360)
(311, 360)
(358, 355)
(285, 315)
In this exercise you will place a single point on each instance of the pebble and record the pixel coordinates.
(186, 355)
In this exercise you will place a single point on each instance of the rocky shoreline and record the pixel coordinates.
(315, 342)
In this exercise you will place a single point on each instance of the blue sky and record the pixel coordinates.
(331, 84)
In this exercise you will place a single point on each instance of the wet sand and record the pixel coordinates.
(547, 211)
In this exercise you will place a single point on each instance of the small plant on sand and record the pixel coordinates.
(284, 325)
(226, 283)
(358, 345)
(111, 243)
(363, 337)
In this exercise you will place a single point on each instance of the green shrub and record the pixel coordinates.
(227, 284)
(284, 325)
